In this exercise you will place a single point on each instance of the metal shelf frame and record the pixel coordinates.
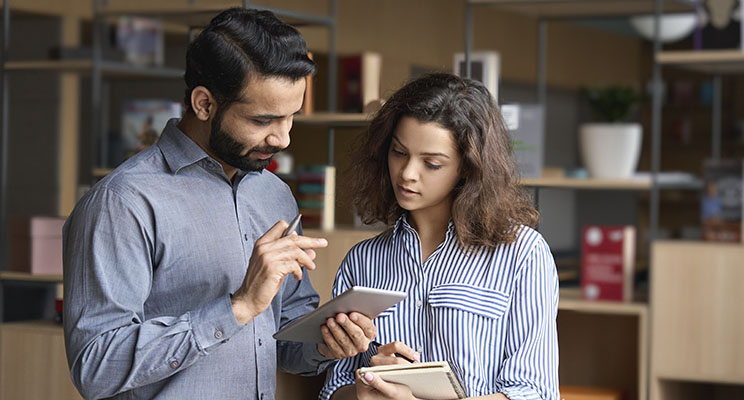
(553, 12)
(657, 90)
(101, 13)
(100, 70)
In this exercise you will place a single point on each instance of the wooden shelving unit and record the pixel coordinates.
(335, 120)
(588, 183)
(559, 9)
(705, 61)
(24, 276)
(108, 68)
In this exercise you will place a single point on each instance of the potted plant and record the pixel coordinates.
(611, 146)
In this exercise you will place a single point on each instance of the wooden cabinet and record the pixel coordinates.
(32, 362)
(698, 321)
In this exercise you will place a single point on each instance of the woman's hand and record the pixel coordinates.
(372, 387)
(386, 354)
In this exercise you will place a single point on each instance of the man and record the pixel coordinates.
(176, 271)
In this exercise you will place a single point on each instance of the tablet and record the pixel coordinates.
(368, 301)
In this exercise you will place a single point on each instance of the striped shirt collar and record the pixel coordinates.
(402, 225)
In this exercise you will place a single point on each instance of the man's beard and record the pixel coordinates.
(229, 150)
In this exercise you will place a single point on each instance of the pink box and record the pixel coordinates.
(36, 245)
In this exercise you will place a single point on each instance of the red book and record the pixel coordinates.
(607, 262)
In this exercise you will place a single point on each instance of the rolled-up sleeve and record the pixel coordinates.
(530, 367)
(108, 271)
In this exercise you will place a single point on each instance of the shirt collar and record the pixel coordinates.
(402, 225)
(177, 148)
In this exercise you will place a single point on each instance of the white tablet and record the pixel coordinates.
(368, 301)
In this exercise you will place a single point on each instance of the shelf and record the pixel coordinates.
(109, 69)
(639, 183)
(558, 9)
(570, 300)
(706, 61)
(588, 183)
(24, 276)
(333, 120)
(35, 325)
(199, 14)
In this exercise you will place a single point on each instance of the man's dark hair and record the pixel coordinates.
(240, 44)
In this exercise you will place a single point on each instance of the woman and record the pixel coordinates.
(436, 165)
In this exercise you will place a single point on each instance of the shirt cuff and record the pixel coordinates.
(312, 355)
(214, 323)
(520, 393)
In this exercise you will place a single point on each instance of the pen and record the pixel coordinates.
(378, 344)
(292, 225)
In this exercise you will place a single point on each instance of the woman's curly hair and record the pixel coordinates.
(489, 204)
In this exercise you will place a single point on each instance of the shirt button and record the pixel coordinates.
(419, 303)
(245, 236)
(262, 396)
(217, 334)
(260, 342)
(174, 364)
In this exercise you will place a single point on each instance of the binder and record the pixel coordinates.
(432, 380)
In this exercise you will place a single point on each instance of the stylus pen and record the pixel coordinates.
(292, 225)
(378, 344)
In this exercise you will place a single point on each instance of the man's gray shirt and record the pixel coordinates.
(151, 255)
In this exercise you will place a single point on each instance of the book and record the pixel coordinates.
(432, 380)
(316, 196)
(359, 80)
(608, 262)
(485, 67)
(142, 121)
(721, 203)
(526, 126)
(307, 104)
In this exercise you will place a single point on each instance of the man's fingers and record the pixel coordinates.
(359, 341)
(307, 242)
(342, 338)
(366, 324)
(331, 343)
(274, 233)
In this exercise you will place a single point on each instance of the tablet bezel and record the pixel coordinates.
(368, 301)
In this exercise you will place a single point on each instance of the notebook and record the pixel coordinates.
(432, 380)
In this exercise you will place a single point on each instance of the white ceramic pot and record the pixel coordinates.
(610, 150)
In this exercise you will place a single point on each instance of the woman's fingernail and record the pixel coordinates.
(353, 317)
(368, 377)
(417, 356)
(332, 323)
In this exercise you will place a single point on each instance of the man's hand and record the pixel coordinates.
(372, 387)
(346, 335)
(273, 258)
(386, 354)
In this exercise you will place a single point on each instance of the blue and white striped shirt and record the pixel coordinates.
(490, 312)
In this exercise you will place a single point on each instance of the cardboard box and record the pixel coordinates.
(589, 393)
(36, 245)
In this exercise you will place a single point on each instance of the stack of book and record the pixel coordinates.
(316, 190)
